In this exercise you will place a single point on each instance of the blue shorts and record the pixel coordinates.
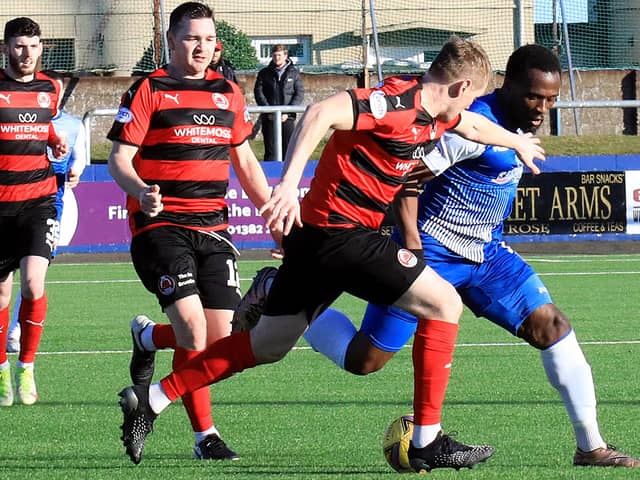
(504, 289)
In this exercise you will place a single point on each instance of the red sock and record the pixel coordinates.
(163, 336)
(4, 331)
(220, 360)
(433, 346)
(31, 317)
(197, 403)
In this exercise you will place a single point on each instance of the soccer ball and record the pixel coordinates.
(395, 443)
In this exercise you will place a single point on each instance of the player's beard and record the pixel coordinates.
(20, 68)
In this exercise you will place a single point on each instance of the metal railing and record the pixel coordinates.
(279, 110)
(277, 121)
(574, 105)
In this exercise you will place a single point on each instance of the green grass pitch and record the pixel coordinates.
(302, 418)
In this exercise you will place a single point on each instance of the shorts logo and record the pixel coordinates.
(166, 285)
(406, 258)
(220, 101)
(124, 115)
(378, 104)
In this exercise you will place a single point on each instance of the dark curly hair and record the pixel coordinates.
(530, 57)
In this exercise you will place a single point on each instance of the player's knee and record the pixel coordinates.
(544, 327)
(445, 305)
(363, 358)
(32, 290)
(192, 343)
(273, 354)
(273, 337)
(364, 366)
(450, 306)
(191, 338)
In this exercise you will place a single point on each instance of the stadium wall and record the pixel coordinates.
(87, 93)
(575, 199)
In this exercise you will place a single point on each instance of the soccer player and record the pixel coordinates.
(27, 197)
(460, 219)
(68, 170)
(380, 134)
(175, 135)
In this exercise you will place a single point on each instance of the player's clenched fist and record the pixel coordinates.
(151, 201)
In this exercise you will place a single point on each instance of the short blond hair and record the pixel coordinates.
(460, 58)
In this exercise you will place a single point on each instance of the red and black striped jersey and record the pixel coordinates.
(183, 129)
(360, 171)
(26, 174)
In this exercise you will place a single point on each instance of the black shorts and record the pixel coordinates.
(321, 263)
(175, 262)
(34, 231)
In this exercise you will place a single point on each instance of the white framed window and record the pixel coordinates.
(299, 48)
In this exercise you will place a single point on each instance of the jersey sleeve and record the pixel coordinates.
(371, 111)
(452, 149)
(242, 126)
(134, 115)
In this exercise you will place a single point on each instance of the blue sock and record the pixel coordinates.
(330, 334)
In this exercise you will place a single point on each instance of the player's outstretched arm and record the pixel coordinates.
(334, 112)
(478, 128)
(254, 182)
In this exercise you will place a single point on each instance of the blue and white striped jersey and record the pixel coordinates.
(465, 205)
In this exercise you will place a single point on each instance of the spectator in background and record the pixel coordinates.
(279, 83)
(27, 197)
(68, 170)
(221, 66)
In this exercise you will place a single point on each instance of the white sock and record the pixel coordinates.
(158, 400)
(5, 365)
(330, 334)
(202, 435)
(20, 364)
(423, 435)
(570, 374)
(146, 337)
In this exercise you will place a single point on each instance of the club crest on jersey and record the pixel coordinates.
(220, 101)
(378, 104)
(166, 285)
(406, 258)
(124, 115)
(44, 100)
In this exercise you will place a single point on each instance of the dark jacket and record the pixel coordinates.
(226, 70)
(288, 90)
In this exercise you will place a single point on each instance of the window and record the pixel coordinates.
(299, 48)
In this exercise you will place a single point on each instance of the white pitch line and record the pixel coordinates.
(546, 274)
(71, 282)
(459, 345)
(583, 260)
(560, 274)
